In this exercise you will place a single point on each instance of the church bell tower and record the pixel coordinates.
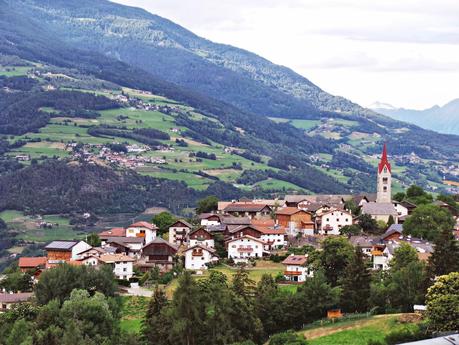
(384, 179)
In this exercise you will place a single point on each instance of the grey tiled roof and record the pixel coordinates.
(61, 245)
(379, 208)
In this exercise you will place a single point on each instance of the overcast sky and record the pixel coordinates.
(403, 52)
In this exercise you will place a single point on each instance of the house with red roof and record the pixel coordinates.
(142, 229)
(243, 248)
(297, 269)
(33, 264)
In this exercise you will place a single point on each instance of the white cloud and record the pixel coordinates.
(403, 52)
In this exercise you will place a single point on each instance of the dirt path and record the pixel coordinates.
(323, 331)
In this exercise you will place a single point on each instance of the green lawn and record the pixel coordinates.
(133, 309)
(305, 124)
(28, 229)
(14, 71)
(357, 332)
(271, 184)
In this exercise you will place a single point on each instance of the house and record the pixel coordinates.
(231, 223)
(158, 253)
(178, 232)
(297, 268)
(93, 251)
(34, 264)
(243, 230)
(380, 211)
(122, 265)
(209, 219)
(250, 210)
(131, 246)
(404, 208)
(142, 229)
(8, 300)
(330, 222)
(302, 201)
(295, 220)
(64, 251)
(366, 243)
(197, 257)
(201, 237)
(115, 232)
(273, 236)
(90, 260)
(383, 255)
(245, 247)
(393, 232)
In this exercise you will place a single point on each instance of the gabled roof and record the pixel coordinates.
(61, 245)
(201, 228)
(379, 208)
(318, 198)
(242, 207)
(33, 262)
(336, 210)
(159, 240)
(242, 227)
(246, 236)
(271, 230)
(210, 250)
(262, 222)
(126, 239)
(144, 225)
(110, 258)
(97, 249)
(181, 221)
(15, 297)
(236, 220)
(115, 232)
(288, 211)
(299, 260)
(208, 215)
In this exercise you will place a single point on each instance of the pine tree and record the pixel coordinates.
(186, 312)
(445, 258)
(355, 284)
(155, 327)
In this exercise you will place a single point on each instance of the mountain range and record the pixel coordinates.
(443, 119)
(225, 102)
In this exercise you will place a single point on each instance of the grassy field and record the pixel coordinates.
(14, 71)
(357, 332)
(28, 228)
(305, 124)
(255, 273)
(133, 311)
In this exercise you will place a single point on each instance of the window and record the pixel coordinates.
(337, 219)
(385, 169)
(385, 189)
(328, 219)
(125, 269)
(385, 180)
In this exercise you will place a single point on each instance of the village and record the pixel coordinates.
(246, 231)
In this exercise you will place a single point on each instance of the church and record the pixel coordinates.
(383, 208)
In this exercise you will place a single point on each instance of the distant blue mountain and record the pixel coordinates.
(443, 119)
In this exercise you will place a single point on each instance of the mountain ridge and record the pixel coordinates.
(443, 119)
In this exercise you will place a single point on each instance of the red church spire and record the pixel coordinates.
(384, 161)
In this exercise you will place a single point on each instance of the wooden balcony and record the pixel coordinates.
(245, 249)
(292, 273)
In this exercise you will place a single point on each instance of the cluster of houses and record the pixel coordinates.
(248, 230)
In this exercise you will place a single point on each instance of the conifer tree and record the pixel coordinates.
(155, 326)
(355, 284)
(445, 258)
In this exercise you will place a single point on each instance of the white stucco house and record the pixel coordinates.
(142, 229)
(123, 266)
(297, 268)
(198, 257)
(243, 248)
(330, 222)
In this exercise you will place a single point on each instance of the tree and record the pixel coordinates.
(93, 240)
(445, 258)
(287, 338)
(368, 224)
(427, 221)
(59, 282)
(335, 255)
(418, 196)
(406, 279)
(163, 220)
(351, 206)
(451, 201)
(3, 225)
(442, 302)
(355, 284)
(350, 230)
(155, 327)
(208, 204)
(187, 319)
(17, 281)
(400, 196)
(315, 297)
(92, 314)
(390, 221)
(242, 284)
